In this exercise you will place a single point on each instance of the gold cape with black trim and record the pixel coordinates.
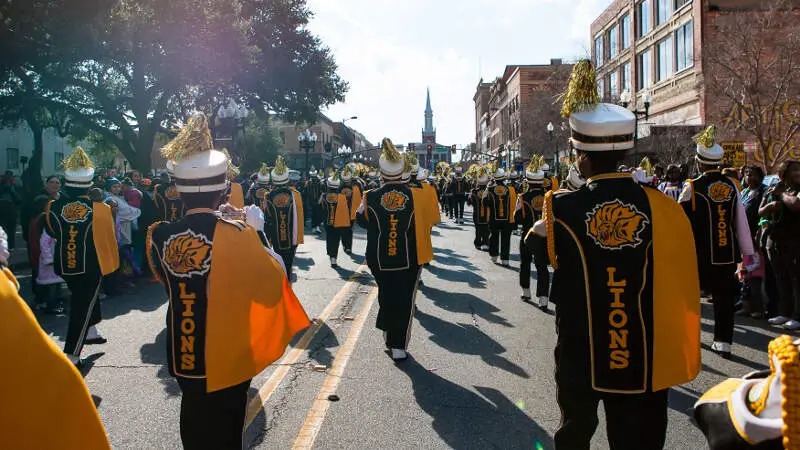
(105, 238)
(298, 206)
(237, 195)
(342, 217)
(252, 313)
(356, 201)
(423, 221)
(43, 388)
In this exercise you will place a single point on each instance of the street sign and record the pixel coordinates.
(734, 155)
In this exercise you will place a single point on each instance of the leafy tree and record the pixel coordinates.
(259, 143)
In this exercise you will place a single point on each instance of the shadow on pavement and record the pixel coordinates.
(682, 400)
(461, 276)
(451, 261)
(146, 297)
(156, 353)
(447, 251)
(464, 419)
(460, 302)
(747, 337)
(303, 264)
(468, 340)
(319, 349)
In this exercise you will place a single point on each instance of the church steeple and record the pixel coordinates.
(428, 114)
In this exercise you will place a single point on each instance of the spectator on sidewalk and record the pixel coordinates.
(10, 201)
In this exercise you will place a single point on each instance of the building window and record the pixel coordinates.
(12, 158)
(601, 89)
(626, 31)
(57, 158)
(626, 76)
(643, 13)
(598, 51)
(613, 84)
(664, 49)
(680, 3)
(663, 11)
(612, 42)
(645, 70)
(684, 46)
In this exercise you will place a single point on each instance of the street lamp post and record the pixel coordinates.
(625, 100)
(550, 129)
(307, 141)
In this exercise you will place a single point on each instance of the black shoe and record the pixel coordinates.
(544, 308)
(525, 299)
(98, 340)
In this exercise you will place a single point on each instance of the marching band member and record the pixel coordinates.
(337, 216)
(283, 215)
(500, 198)
(758, 411)
(167, 199)
(480, 212)
(721, 233)
(312, 191)
(352, 192)
(395, 248)
(629, 332)
(457, 189)
(42, 375)
(259, 190)
(226, 322)
(86, 250)
(532, 248)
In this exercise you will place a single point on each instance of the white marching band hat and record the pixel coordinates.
(483, 175)
(333, 180)
(708, 151)
(534, 172)
(499, 174)
(78, 169)
(262, 177)
(391, 162)
(197, 166)
(595, 126)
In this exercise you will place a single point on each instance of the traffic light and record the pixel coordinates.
(413, 147)
(430, 151)
(453, 149)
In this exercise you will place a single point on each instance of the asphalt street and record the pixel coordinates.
(479, 375)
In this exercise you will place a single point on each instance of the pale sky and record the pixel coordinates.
(390, 51)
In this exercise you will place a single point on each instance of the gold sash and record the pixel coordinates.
(298, 205)
(105, 238)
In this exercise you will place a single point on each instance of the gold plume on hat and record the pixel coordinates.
(389, 152)
(194, 138)
(78, 159)
(582, 91)
(410, 158)
(280, 165)
(264, 170)
(647, 166)
(232, 171)
(706, 138)
(535, 164)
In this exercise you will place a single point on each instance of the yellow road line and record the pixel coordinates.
(316, 415)
(285, 364)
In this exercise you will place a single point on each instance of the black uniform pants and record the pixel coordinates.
(212, 420)
(316, 214)
(347, 238)
(536, 254)
(288, 259)
(500, 235)
(633, 421)
(448, 205)
(481, 235)
(397, 292)
(333, 236)
(84, 310)
(458, 205)
(721, 282)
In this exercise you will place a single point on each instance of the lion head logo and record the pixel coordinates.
(614, 225)
(720, 191)
(261, 193)
(187, 254)
(332, 197)
(75, 212)
(500, 190)
(282, 200)
(172, 193)
(394, 201)
(537, 203)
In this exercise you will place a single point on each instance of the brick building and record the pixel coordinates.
(512, 112)
(658, 50)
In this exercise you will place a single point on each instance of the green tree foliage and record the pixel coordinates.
(141, 66)
(259, 143)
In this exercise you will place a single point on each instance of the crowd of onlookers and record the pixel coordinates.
(131, 199)
(772, 206)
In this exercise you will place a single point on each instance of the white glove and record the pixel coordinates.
(3, 247)
(254, 217)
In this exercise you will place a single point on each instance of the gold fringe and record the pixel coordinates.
(77, 160)
(232, 171)
(194, 138)
(647, 166)
(785, 351)
(706, 138)
(389, 151)
(280, 165)
(549, 221)
(582, 89)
